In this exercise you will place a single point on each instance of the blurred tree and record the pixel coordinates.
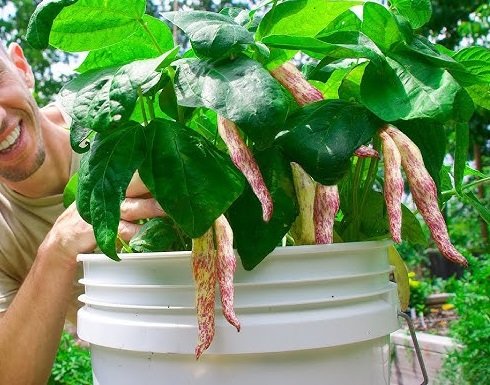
(14, 17)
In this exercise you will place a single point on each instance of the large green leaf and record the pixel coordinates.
(41, 21)
(104, 177)
(476, 62)
(254, 238)
(323, 136)
(461, 153)
(158, 234)
(192, 181)
(302, 17)
(211, 34)
(150, 40)
(418, 12)
(339, 45)
(240, 90)
(407, 88)
(483, 210)
(100, 98)
(94, 24)
(380, 26)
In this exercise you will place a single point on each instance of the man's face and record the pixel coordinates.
(21, 146)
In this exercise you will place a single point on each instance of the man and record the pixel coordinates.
(38, 249)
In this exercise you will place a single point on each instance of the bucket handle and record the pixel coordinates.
(416, 346)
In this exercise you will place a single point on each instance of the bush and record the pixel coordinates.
(72, 364)
(469, 364)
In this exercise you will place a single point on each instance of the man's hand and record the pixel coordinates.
(71, 235)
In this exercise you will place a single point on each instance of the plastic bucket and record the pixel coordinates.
(309, 315)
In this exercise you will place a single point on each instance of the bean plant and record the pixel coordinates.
(241, 148)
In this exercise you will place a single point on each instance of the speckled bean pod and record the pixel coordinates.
(226, 266)
(424, 193)
(327, 204)
(303, 229)
(243, 159)
(204, 271)
(393, 185)
(366, 152)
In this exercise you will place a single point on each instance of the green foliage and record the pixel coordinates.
(154, 108)
(72, 364)
(469, 364)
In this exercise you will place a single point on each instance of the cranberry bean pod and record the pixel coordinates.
(326, 205)
(243, 159)
(226, 266)
(204, 271)
(424, 193)
(303, 228)
(393, 185)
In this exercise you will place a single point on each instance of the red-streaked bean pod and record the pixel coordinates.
(393, 185)
(366, 152)
(292, 79)
(204, 271)
(327, 203)
(424, 193)
(226, 266)
(303, 229)
(243, 159)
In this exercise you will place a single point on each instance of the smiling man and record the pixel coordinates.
(39, 241)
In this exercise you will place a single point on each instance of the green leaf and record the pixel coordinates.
(104, 176)
(380, 26)
(480, 94)
(407, 88)
(80, 137)
(41, 21)
(476, 62)
(302, 17)
(151, 38)
(240, 90)
(70, 191)
(323, 136)
(192, 181)
(94, 24)
(158, 234)
(100, 98)
(211, 34)
(482, 209)
(254, 238)
(418, 12)
(340, 45)
(430, 138)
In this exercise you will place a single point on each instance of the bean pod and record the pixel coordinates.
(243, 159)
(226, 266)
(424, 193)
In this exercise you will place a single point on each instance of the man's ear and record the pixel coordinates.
(18, 59)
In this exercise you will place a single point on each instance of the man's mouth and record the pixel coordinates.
(10, 141)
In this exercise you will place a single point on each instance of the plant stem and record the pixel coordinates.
(152, 37)
(142, 105)
(355, 196)
(125, 247)
(151, 109)
(467, 186)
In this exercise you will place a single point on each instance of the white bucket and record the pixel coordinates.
(309, 315)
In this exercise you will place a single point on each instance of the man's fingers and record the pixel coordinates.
(133, 209)
(137, 188)
(127, 230)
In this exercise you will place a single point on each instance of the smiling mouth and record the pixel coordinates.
(11, 140)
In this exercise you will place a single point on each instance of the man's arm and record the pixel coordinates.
(30, 329)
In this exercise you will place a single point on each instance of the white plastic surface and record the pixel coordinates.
(322, 309)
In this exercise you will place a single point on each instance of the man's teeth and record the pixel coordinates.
(11, 139)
